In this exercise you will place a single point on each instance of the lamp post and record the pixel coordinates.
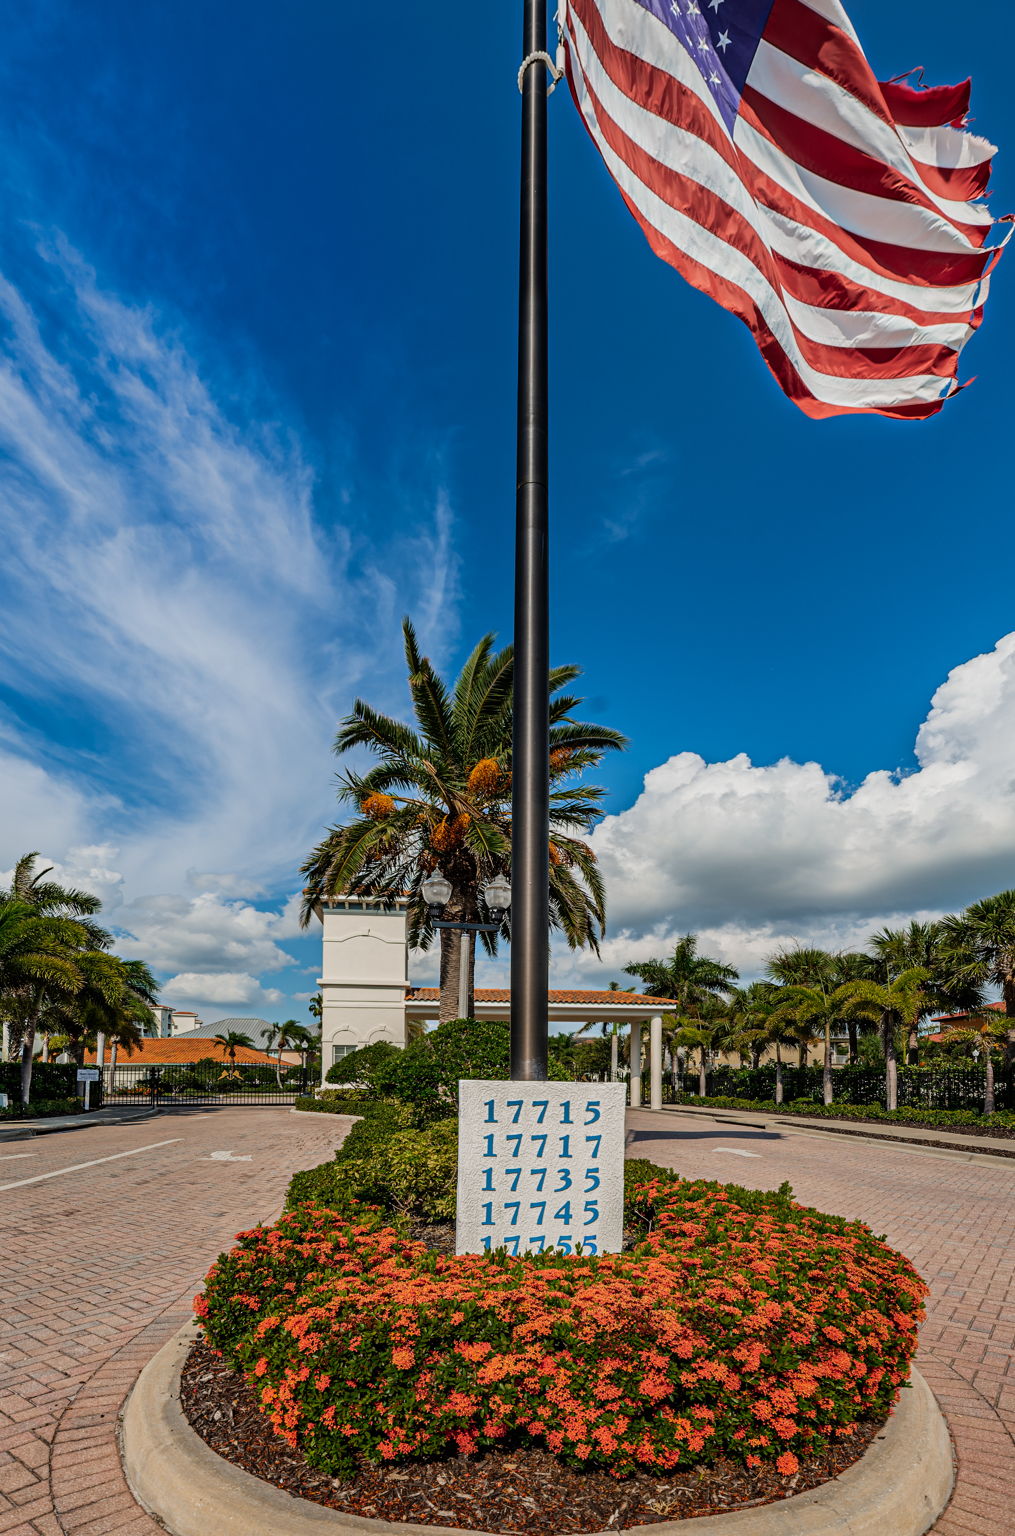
(436, 890)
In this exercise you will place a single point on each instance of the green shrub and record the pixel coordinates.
(386, 1162)
(360, 1065)
(742, 1327)
(427, 1073)
(349, 1101)
(944, 1119)
(40, 1107)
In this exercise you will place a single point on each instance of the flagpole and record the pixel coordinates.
(530, 795)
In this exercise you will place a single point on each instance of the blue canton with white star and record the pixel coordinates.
(722, 37)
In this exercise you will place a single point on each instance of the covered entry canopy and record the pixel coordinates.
(562, 1007)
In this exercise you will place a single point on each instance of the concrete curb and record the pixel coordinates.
(898, 1488)
(20, 1130)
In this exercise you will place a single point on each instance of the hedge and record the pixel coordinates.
(39, 1108)
(955, 1119)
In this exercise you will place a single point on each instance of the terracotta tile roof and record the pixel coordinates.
(952, 1018)
(158, 1053)
(586, 999)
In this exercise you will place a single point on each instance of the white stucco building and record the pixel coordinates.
(366, 994)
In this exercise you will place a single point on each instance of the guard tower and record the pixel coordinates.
(364, 974)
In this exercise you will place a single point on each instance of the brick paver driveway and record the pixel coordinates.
(97, 1270)
(98, 1265)
(956, 1221)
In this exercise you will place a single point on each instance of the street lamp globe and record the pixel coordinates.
(436, 891)
(497, 895)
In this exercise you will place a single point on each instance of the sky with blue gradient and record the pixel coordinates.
(257, 309)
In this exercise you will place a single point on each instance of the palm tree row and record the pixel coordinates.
(57, 975)
(811, 996)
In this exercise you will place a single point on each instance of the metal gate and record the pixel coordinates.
(205, 1082)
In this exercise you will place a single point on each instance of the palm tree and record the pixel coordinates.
(901, 1004)
(114, 1001)
(38, 961)
(751, 1010)
(815, 1011)
(283, 1037)
(439, 797)
(921, 946)
(687, 978)
(980, 952)
(986, 1033)
(692, 1035)
(230, 1041)
(48, 899)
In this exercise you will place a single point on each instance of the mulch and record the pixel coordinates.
(513, 1491)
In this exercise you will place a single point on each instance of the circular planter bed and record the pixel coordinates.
(898, 1487)
(743, 1353)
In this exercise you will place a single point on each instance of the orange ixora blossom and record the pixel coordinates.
(741, 1325)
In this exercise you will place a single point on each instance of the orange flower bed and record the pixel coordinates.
(742, 1324)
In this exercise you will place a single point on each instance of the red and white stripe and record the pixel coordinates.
(839, 219)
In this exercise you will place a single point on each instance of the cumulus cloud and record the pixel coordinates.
(220, 987)
(754, 857)
(202, 932)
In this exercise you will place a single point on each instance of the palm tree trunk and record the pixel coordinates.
(701, 1073)
(826, 1074)
(778, 1074)
(802, 1056)
(891, 1066)
(45, 1048)
(854, 1047)
(27, 1055)
(988, 1096)
(913, 1045)
(451, 959)
(1009, 1009)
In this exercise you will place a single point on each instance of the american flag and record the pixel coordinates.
(839, 217)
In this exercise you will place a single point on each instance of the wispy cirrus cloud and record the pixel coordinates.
(180, 627)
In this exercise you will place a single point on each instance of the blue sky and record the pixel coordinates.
(257, 345)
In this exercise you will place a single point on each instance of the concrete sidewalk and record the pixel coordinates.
(864, 1130)
(20, 1130)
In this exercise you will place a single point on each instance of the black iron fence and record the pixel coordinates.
(945, 1087)
(204, 1083)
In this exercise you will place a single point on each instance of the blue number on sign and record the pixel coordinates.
(564, 1214)
(513, 1205)
(517, 1144)
(491, 1118)
(540, 1174)
(593, 1206)
(488, 1218)
(539, 1243)
(514, 1174)
(592, 1111)
(564, 1242)
(565, 1146)
(587, 1245)
(566, 1177)
(511, 1244)
(489, 1146)
(565, 1113)
(542, 1145)
(488, 1186)
(540, 1206)
(516, 1105)
(593, 1175)
(486, 1244)
(598, 1142)
(542, 1105)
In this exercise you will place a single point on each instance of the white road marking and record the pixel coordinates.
(75, 1167)
(12, 1157)
(736, 1151)
(224, 1157)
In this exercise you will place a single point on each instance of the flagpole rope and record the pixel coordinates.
(540, 58)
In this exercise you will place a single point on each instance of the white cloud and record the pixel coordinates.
(174, 606)
(202, 932)
(754, 857)
(219, 987)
